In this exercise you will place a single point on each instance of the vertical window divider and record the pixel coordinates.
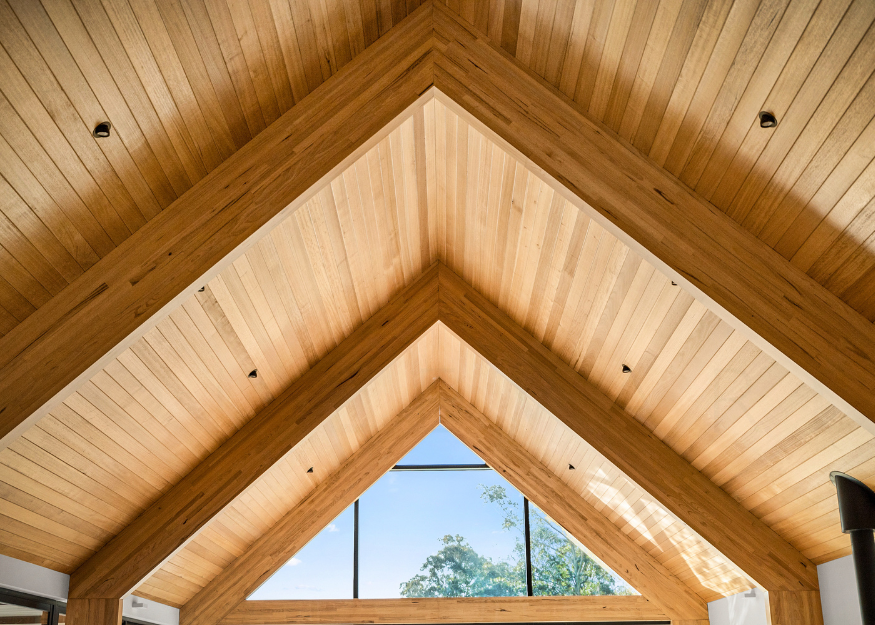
(529, 585)
(355, 551)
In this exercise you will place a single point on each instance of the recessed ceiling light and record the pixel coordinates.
(101, 130)
(767, 120)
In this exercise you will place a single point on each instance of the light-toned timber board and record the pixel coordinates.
(322, 505)
(213, 219)
(173, 519)
(623, 440)
(720, 416)
(185, 85)
(430, 611)
(599, 482)
(286, 484)
(273, 549)
(576, 515)
(777, 301)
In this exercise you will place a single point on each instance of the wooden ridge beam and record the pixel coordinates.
(748, 542)
(534, 480)
(130, 557)
(322, 505)
(792, 315)
(62, 342)
(428, 611)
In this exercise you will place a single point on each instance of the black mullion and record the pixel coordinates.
(355, 551)
(529, 585)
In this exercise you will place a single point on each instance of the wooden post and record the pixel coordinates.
(794, 607)
(94, 612)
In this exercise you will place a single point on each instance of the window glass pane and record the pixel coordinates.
(441, 447)
(561, 565)
(18, 615)
(321, 570)
(441, 533)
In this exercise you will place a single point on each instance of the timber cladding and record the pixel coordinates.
(438, 187)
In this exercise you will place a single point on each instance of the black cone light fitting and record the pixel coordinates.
(101, 130)
(627, 369)
(253, 374)
(857, 512)
(767, 120)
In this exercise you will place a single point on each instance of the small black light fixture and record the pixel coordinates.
(571, 467)
(202, 289)
(767, 120)
(310, 470)
(253, 374)
(101, 130)
(673, 283)
(626, 369)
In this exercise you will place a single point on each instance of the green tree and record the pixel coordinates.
(456, 570)
(559, 566)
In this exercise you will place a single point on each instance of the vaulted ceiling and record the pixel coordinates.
(186, 84)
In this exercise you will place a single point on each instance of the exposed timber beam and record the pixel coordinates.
(322, 505)
(65, 341)
(450, 610)
(534, 480)
(797, 321)
(748, 542)
(120, 565)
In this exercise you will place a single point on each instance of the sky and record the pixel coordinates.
(402, 518)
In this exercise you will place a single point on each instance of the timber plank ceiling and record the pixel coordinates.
(434, 189)
(186, 83)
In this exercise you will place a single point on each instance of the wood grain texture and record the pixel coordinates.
(94, 611)
(459, 610)
(572, 512)
(184, 84)
(323, 504)
(169, 523)
(706, 508)
(211, 220)
(83, 473)
(776, 300)
(798, 608)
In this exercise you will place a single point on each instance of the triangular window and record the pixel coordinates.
(441, 524)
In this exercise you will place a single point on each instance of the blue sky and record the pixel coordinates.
(401, 520)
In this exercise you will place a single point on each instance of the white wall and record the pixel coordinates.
(37, 580)
(838, 592)
(838, 595)
(746, 608)
(149, 611)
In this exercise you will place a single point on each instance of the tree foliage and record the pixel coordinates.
(559, 566)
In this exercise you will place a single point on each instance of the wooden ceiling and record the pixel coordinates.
(186, 83)
(434, 188)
